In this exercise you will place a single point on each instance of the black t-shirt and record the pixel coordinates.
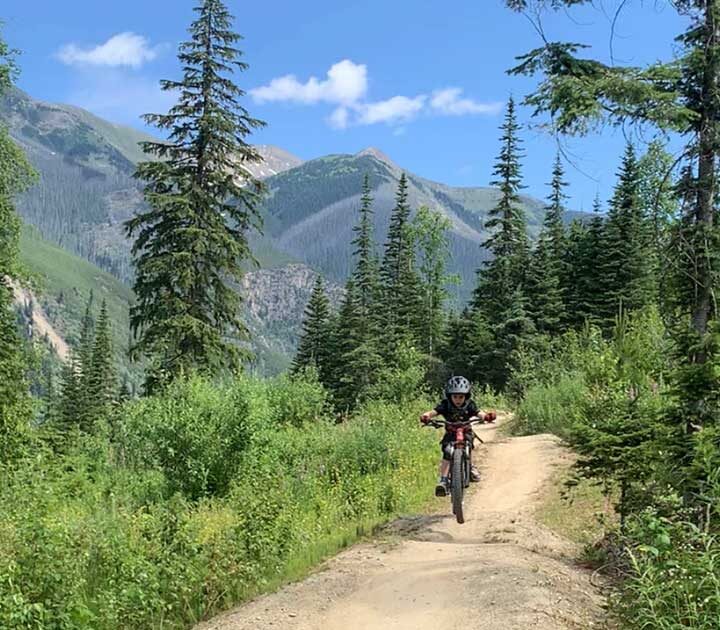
(451, 413)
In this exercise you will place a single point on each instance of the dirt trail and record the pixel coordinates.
(501, 570)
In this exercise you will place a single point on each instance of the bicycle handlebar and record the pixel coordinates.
(439, 424)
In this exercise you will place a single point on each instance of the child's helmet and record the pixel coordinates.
(457, 385)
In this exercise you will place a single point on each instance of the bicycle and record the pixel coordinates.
(459, 452)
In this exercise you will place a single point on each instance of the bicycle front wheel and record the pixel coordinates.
(457, 486)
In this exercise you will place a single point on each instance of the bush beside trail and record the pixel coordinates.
(197, 499)
(609, 399)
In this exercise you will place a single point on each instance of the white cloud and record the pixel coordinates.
(124, 49)
(339, 118)
(346, 83)
(346, 87)
(392, 110)
(450, 103)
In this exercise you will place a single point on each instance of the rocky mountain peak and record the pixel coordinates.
(378, 155)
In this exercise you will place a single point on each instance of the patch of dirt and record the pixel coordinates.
(501, 570)
(40, 324)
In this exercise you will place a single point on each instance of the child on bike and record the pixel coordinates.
(457, 406)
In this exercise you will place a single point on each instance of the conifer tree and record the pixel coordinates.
(502, 283)
(193, 239)
(72, 408)
(508, 242)
(587, 283)
(357, 353)
(365, 274)
(547, 268)
(513, 332)
(626, 260)
(87, 333)
(358, 333)
(399, 279)
(313, 349)
(85, 351)
(545, 303)
(456, 343)
(103, 386)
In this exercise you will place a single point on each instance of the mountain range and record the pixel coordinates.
(86, 190)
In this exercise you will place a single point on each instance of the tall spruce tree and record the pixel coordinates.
(16, 175)
(191, 243)
(555, 209)
(626, 260)
(546, 303)
(366, 273)
(358, 333)
(400, 286)
(502, 282)
(314, 347)
(103, 381)
(508, 242)
(72, 408)
(586, 283)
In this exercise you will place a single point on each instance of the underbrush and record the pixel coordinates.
(190, 502)
(613, 402)
(551, 407)
(673, 580)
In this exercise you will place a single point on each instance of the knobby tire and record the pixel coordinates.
(457, 484)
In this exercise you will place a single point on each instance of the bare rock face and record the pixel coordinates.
(275, 160)
(274, 308)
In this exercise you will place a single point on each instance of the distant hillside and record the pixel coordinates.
(275, 301)
(63, 282)
(86, 189)
(313, 208)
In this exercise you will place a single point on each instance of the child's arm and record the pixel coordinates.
(427, 416)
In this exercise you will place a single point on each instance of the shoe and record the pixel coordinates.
(474, 474)
(441, 490)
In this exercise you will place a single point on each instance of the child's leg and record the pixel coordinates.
(444, 467)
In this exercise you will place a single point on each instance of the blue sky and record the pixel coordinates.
(422, 80)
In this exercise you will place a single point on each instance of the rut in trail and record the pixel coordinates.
(501, 570)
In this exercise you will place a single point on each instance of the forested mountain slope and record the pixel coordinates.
(86, 189)
(275, 301)
(312, 208)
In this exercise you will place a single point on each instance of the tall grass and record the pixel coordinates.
(551, 407)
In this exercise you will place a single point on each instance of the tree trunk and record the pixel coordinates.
(707, 176)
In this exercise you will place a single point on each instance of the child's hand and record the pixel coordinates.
(425, 418)
(490, 416)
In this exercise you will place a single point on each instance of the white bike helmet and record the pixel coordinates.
(457, 385)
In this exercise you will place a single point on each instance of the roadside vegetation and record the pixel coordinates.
(158, 510)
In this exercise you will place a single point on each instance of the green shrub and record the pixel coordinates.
(404, 381)
(298, 399)
(551, 408)
(675, 576)
(171, 524)
(195, 433)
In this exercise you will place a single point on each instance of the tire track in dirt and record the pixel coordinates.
(501, 570)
